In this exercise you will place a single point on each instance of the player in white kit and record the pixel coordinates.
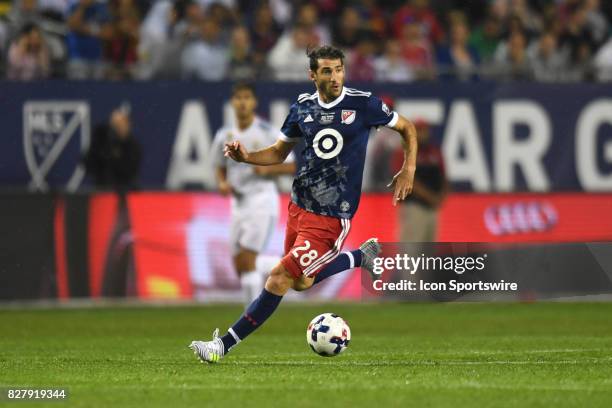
(253, 191)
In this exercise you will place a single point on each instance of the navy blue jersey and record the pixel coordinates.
(335, 135)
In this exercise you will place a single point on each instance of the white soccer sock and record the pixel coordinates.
(252, 284)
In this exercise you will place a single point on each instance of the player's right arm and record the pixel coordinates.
(289, 135)
(275, 154)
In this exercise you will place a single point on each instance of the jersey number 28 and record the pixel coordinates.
(307, 257)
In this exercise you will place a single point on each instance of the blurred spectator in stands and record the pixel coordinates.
(27, 12)
(155, 33)
(596, 21)
(121, 49)
(580, 65)
(113, 159)
(23, 12)
(375, 18)
(510, 61)
(288, 60)
(486, 37)
(419, 212)
(224, 16)
(308, 16)
(391, 66)
(576, 33)
(88, 21)
(458, 60)
(603, 62)
(512, 11)
(242, 66)
(189, 25)
(264, 33)
(546, 61)
(420, 12)
(183, 25)
(361, 60)
(530, 20)
(206, 58)
(28, 56)
(416, 50)
(282, 11)
(348, 28)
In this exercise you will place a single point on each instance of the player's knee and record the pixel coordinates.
(279, 281)
(302, 284)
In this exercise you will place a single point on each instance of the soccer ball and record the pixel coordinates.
(328, 335)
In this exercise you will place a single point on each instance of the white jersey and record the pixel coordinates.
(254, 194)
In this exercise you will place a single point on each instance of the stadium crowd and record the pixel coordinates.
(392, 40)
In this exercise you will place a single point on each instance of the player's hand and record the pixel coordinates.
(225, 188)
(235, 151)
(403, 181)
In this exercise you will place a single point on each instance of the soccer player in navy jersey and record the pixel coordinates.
(334, 123)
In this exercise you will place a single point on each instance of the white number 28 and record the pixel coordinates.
(307, 257)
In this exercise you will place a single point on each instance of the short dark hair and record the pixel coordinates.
(243, 86)
(323, 52)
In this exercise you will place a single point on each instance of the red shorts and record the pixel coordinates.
(312, 241)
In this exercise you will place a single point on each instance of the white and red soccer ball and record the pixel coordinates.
(328, 335)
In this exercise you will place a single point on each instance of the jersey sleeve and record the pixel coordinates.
(290, 132)
(379, 114)
(216, 150)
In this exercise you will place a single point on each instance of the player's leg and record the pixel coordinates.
(250, 279)
(362, 257)
(278, 283)
(251, 238)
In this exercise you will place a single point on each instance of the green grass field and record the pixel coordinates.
(418, 355)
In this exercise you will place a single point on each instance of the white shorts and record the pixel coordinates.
(251, 231)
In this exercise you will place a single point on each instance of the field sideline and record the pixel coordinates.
(421, 355)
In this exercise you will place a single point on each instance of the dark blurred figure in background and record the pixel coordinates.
(113, 160)
(419, 212)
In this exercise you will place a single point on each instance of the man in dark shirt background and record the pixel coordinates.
(113, 160)
(419, 212)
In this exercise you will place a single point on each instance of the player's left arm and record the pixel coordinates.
(404, 179)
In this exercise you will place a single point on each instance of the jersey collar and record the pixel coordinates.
(332, 103)
(239, 131)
